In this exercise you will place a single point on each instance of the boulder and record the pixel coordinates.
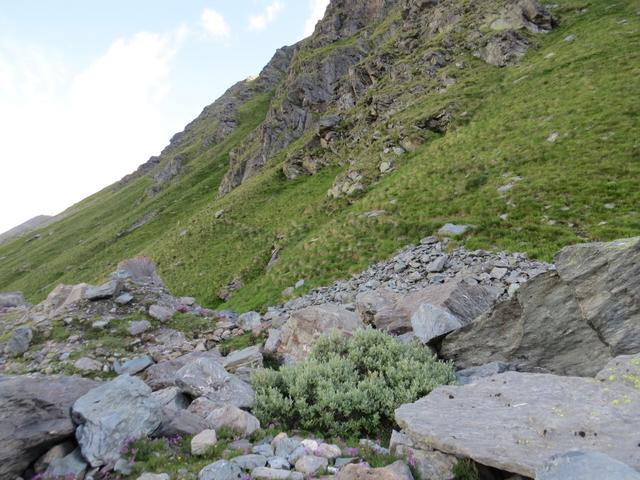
(19, 341)
(230, 416)
(111, 415)
(171, 398)
(34, 416)
(604, 278)
(136, 327)
(311, 465)
(86, 364)
(429, 464)
(447, 307)
(106, 290)
(250, 461)
(72, 466)
(305, 327)
(470, 375)
(396, 471)
(203, 441)
(380, 308)
(221, 470)
(12, 299)
(154, 476)
(163, 374)
(205, 377)
(516, 421)
(180, 422)
(249, 357)
(579, 465)
(161, 313)
(249, 321)
(540, 328)
(265, 473)
(133, 366)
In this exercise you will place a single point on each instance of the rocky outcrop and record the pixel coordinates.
(34, 416)
(567, 322)
(163, 374)
(516, 421)
(111, 415)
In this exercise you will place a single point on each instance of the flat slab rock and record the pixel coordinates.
(517, 421)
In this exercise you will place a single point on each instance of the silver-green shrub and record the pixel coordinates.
(348, 386)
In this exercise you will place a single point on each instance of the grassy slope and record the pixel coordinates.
(587, 91)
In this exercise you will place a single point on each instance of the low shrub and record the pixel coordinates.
(348, 386)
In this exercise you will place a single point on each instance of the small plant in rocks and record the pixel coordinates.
(348, 386)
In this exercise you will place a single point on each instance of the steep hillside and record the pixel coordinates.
(395, 117)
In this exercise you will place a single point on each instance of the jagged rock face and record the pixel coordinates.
(34, 416)
(570, 322)
(321, 78)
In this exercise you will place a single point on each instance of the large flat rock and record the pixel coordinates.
(34, 416)
(516, 421)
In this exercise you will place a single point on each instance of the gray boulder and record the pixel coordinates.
(250, 461)
(12, 299)
(230, 416)
(452, 230)
(19, 341)
(171, 398)
(249, 357)
(163, 374)
(265, 473)
(450, 306)
(249, 320)
(205, 377)
(106, 290)
(307, 325)
(136, 327)
(516, 421)
(34, 416)
(72, 465)
(112, 414)
(539, 329)
(161, 313)
(569, 322)
(133, 366)
(470, 375)
(220, 470)
(604, 278)
(579, 465)
(180, 422)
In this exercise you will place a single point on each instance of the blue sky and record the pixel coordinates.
(91, 89)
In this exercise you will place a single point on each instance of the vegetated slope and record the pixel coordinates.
(537, 154)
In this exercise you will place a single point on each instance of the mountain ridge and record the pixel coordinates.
(388, 122)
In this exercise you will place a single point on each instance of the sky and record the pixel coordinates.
(89, 90)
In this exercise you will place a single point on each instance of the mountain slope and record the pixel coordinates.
(410, 114)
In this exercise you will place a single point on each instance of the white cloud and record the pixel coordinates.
(215, 24)
(67, 135)
(317, 7)
(260, 22)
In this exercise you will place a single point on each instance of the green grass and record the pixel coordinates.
(586, 90)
